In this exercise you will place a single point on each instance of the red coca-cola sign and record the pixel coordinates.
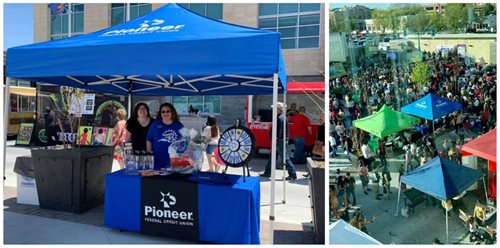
(260, 126)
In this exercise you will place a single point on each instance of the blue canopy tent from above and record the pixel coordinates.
(431, 107)
(168, 52)
(440, 178)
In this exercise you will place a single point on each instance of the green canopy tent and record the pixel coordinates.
(385, 122)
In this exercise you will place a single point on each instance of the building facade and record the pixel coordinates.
(301, 27)
(355, 16)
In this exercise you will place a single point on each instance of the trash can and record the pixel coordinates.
(26, 185)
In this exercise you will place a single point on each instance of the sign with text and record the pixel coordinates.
(169, 208)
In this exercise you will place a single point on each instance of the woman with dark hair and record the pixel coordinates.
(138, 126)
(211, 134)
(163, 132)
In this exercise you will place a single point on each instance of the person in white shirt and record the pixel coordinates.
(211, 134)
(367, 154)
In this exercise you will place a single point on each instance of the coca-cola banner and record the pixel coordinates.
(260, 125)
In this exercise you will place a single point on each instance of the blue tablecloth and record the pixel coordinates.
(228, 213)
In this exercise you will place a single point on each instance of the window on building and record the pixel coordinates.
(119, 11)
(59, 23)
(298, 23)
(210, 10)
(21, 103)
(205, 104)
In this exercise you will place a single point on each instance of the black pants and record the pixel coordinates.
(51, 134)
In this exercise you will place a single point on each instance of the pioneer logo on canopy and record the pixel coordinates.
(440, 104)
(422, 105)
(147, 27)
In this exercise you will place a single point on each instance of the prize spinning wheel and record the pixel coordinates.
(236, 147)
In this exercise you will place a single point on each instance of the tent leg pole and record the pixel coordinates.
(447, 242)
(485, 191)
(283, 160)
(129, 108)
(6, 123)
(399, 194)
(273, 156)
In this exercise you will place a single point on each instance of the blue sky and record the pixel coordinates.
(17, 25)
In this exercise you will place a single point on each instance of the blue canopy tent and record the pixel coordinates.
(431, 107)
(442, 179)
(170, 51)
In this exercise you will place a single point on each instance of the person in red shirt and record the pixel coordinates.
(301, 128)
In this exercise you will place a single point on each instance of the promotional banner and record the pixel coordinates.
(444, 49)
(169, 208)
(24, 133)
(461, 50)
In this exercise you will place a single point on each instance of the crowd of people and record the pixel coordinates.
(363, 93)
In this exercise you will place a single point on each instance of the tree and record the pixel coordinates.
(419, 22)
(420, 74)
(486, 10)
(436, 21)
(380, 19)
(410, 9)
(489, 9)
(69, 96)
(341, 24)
(455, 16)
(393, 17)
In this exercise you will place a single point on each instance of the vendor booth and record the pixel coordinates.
(485, 147)
(170, 51)
(385, 122)
(442, 179)
(431, 107)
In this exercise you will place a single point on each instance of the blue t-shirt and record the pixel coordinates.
(161, 136)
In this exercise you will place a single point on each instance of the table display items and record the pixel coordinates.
(138, 162)
(186, 154)
(236, 147)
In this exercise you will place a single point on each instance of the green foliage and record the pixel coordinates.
(455, 16)
(419, 22)
(409, 9)
(380, 19)
(342, 26)
(489, 9)
(436, 21)
(420, 74)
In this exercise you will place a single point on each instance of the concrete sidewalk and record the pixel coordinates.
(428, 221)
(26, 224)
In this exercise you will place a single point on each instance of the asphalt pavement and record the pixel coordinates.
(26, 224)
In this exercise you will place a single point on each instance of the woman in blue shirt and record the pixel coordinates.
(163, 132)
